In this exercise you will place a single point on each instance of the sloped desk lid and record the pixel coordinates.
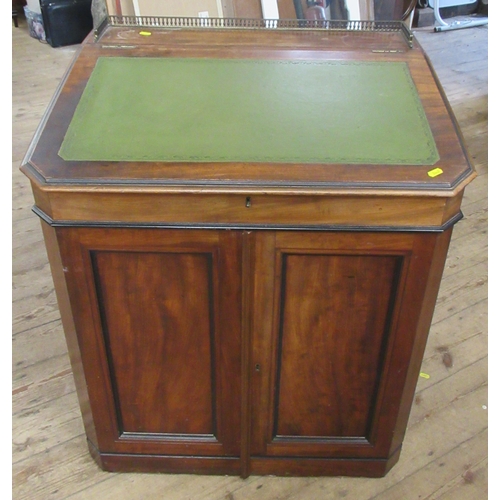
(250, 109)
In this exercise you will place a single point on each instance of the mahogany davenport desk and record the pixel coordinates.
(247, 228)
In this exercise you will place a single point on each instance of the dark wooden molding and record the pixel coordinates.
(246, 227)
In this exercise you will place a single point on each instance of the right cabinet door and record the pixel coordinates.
(339, 328)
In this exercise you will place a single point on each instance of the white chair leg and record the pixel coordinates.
(455, 25)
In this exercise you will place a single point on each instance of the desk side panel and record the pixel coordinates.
(57, 269)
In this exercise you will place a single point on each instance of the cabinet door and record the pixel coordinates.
(336, 319)
(157, 315)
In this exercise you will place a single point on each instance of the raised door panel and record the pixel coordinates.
(159, 341)
(333, 327)
(332, 345)
(158, 326)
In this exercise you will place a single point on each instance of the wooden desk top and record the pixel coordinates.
(438, 168)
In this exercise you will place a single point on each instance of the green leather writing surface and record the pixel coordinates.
(225, 110)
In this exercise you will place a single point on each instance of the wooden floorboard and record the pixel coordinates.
(445, 450)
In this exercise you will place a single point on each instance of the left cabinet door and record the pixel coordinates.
(157, 319)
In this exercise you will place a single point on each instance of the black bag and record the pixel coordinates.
(66, 22)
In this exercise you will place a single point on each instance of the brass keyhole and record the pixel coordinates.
(248, 202)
